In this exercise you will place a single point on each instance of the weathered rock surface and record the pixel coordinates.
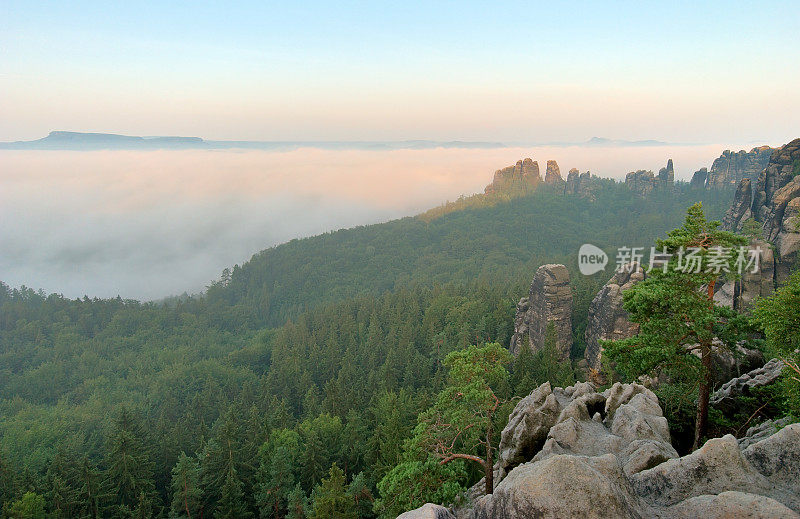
(549, 301)
(731, 504)
(776, 203)
(607, 320)
(740, 209)
(427, 511)
(763, 430)
(574, 452)
(731, 167)
(666, 176)
(641, 182)
(523, 175)
(699, 178)
(725, 398)
(759, 282)
(553, 174)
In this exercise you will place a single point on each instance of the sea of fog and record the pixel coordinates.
(147, 224)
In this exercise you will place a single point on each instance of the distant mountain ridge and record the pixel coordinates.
(65, 140)
(68, 140)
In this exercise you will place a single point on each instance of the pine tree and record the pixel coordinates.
(231, 504)
(330, 498)
(129, 472)
(678, 319)
(187, 496)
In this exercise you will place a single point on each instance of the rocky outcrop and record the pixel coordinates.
(699, 178)
(581, 184)
(666, 176)
(608, 455)
(740, 209)
(427, 511)
(523, 175)
(726, 397)
(762, 431)
(739, 294)
(731, 167)
(549, 301)
(775, 206)
(607, 319)
(553, 174)
(641, 182)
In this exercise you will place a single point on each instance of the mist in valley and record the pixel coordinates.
(149, 224)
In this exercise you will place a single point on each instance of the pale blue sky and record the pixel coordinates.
(509, 71)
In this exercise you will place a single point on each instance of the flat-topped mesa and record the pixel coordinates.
(524, 174)
(731, 167)
(553, 174)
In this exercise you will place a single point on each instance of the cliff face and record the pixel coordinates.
(607, 319)
(774, 205)
(549, 301)
(731, 167)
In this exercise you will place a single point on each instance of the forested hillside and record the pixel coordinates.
(296, 377)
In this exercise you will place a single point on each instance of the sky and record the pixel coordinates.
(716, 71)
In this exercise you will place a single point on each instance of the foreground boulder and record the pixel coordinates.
(427, 511)
(576, 452)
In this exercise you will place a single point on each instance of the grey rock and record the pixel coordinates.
(740, 209)
(641, 182)
(731, 167)
(549, 301)
(699, 178)
(607, 319)
(777, 458)
(762, 431)
(716, 467)
(725, 398)
(561, 487)
(730, 504)
(427, 511)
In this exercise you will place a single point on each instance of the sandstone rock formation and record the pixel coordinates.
(553, 174)
(731, 167)
(581, 184)
(740, 209)
(762, 431)
(641, 182)
(725, 398)
(699, 178)
(666, 176)
(427, 511)
(549, 301)
(524, 174)
(775, 206)
(607, 320)
(574, 452)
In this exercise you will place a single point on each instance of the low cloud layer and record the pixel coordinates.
(147, 224)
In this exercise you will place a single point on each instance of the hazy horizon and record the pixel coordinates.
(518, 72)
(149, 224)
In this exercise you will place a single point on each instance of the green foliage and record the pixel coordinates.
(330, 498)
(30, 506)
(678, 319)
(187, 496)
(779, 317)
(411, 484)
(360, 322)
(752, 229)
